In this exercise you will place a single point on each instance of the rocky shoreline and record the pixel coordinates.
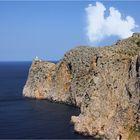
(103, 82)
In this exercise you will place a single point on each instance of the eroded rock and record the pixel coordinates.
(103, 82)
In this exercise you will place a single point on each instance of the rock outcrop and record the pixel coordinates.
(103, 82)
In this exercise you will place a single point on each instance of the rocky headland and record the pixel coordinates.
(103, 82)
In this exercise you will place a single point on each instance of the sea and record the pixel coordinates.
(23, 118)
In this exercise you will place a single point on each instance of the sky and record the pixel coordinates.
(48, 29)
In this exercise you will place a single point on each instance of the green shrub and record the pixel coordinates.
(134, 134)
(137, 41)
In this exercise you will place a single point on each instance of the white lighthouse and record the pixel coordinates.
(37, 58)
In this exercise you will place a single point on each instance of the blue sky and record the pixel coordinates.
(48, 29)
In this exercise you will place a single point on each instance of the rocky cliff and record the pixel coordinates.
(103, 82)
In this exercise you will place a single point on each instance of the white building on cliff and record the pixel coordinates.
(37, 59)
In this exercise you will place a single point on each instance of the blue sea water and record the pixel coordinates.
(22, 118)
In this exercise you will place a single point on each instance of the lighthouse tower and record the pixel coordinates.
(37, 58)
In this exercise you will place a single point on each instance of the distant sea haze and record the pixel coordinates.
(22, 118)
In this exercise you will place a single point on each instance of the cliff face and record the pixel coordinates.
(103, 82)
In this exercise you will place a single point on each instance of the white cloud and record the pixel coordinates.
(99, 26)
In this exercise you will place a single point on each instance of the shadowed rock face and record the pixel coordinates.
(103, 82)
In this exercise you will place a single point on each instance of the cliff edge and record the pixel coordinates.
(103, 82)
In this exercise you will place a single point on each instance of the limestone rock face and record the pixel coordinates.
(103, 82)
